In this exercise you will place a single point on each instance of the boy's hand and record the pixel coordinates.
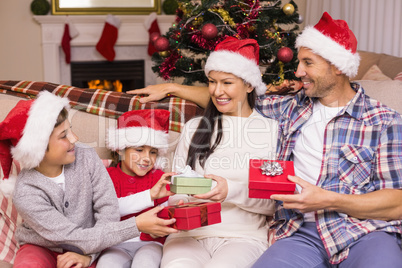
(159, 190)
(72, 259)
(148, 222)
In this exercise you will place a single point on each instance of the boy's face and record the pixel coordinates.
(139, 160)
(61, 147)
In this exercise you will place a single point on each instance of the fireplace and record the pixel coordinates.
(130, 74)
(131, 44)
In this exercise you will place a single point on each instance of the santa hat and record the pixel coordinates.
(238, 57)
(334, 41)
(141, 127)
(25, 132)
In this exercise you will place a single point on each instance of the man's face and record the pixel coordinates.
(317, 74)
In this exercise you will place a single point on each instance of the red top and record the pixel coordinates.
(126, 185)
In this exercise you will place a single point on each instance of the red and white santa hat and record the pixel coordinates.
(25, 132)
(334, 41)
(141, 127)
(238, 57)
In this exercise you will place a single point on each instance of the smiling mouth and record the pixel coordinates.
(223, 101)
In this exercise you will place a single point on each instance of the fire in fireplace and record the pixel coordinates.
(117, 75)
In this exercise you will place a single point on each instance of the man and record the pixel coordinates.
(347, 148)
(347, 152)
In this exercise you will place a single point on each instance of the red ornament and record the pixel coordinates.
(161, 43)
(154, 36)
(209, 31)
(285, 54)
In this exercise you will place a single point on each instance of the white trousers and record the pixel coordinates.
(137, 254)
(214, 252)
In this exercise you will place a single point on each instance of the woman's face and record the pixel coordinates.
(229, 94)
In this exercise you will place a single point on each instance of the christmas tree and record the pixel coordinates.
(201, 25)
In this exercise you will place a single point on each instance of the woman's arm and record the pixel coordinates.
(197, 94)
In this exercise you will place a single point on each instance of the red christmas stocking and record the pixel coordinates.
(105, 45)
(70, 32)
(151, 24)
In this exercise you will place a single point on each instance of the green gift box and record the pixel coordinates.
(190, 185)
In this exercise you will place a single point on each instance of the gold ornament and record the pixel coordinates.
(288, 9)
(164, 53)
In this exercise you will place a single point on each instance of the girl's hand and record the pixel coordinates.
(159, 189)
(218, 193)
(72, 259)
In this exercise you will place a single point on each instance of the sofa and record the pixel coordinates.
(94, 111)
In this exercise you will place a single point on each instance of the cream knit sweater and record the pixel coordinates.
(243, 138)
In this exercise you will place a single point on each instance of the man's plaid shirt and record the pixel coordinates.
(362, 153)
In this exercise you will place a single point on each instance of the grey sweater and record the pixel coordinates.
(84, 219)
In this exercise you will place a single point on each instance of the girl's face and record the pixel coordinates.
(60, 150)
(138, 160)
(229, 94)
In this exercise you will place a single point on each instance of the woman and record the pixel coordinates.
(221, 143)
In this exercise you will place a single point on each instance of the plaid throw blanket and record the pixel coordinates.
(105, 103)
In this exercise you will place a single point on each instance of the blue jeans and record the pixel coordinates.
(305, 249)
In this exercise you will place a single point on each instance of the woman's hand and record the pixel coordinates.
(154, 92)
(148, 222)
(72, 259)
(159, 189)
(219, 192)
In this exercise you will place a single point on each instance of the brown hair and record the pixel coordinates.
(201, 147)
(63, 115)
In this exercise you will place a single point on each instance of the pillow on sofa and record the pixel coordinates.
(398, 76)
(374, 73)
(387, 92)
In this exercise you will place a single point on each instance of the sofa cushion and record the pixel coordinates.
(374, 73)
(390, 65)
(398, 76)
(387, 92)
(367, 59)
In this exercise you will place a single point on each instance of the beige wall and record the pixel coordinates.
(20, 41)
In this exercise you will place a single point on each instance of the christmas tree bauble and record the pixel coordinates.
(300, 19)
(164, 53)
(40, 7)
(285, 54)
(288, 9)
(161, 43)
(209, 31)
(154, 36)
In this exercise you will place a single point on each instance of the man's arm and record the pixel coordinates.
(197, 94)
(385, 204)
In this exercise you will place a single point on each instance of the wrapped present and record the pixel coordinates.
(268, 177)
(187, 181)
(192, 215)
(190, 185)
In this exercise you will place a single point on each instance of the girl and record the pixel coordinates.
(221, 143)
(140, 140)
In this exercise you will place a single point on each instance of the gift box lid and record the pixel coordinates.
(191, 181)
(257, 180)
(190, 209)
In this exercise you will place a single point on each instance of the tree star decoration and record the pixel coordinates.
(271, 168)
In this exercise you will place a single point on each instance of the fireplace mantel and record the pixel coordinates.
(131, 33)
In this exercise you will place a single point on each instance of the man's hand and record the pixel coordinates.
(311, 198)
(159, 189)
(72, 259)
(148, 222)
(218, 193)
